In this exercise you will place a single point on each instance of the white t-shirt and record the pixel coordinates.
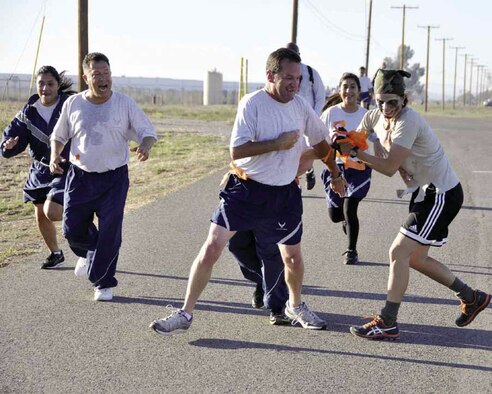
(365, 84)
(336, 113)
(100, 132)
(427, 162)
(44, 111)
(313, 92)
(261, 118)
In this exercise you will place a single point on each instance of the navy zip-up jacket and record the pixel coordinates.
(33, 131)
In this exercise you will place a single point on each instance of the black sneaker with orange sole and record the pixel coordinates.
(377, 329)
(470, 311)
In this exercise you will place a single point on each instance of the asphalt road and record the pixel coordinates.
(55, 339)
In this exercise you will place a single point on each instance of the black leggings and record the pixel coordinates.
(348, 214)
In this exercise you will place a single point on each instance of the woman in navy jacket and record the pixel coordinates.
(31, 128)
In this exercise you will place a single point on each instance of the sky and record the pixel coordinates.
(184, 39)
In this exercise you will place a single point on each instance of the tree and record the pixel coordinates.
(413, 86)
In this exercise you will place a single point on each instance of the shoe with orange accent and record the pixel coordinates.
(470, 311)
(377, 329)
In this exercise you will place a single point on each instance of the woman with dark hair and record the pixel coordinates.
(32, 127)
(342, 110)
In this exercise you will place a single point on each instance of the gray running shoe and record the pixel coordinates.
(175, 323)
(304, 316)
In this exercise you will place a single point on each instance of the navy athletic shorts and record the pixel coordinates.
(273, 212)
(358, 184)
(428, 220)
(41, 185)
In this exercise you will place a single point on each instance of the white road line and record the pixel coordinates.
(482, 172)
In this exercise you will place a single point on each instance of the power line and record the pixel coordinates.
(41, 11)
(332, 26)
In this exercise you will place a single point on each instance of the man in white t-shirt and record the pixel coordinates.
(413, 150)
(100, 124)
(366, 89)
(261, 194)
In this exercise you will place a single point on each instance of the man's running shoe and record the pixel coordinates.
(81, 267)
(257, 300)
(377, 329)
(54, 260)
(351, 257)
(470, 311)
(278, 318)
(175, 323)
(105, 294)
(310, 179)
(304, 316)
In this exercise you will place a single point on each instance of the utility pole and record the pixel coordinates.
(471, 78)
(368, 37)
(455, 72)
(479, 76)
(83, 39)
(295, 13)
(443, 68)
(482, 84)
(428, 27)
(464, 79)
(402, 51)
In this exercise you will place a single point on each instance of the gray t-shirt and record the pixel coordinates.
(427, 162)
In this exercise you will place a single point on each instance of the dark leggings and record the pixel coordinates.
(348, 214)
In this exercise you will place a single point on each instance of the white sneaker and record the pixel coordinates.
(103, 294)
(81, 267)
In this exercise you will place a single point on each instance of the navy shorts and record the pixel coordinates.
(41, 185)
(358, 184)
(364, 97)
(428, 220)
(273, 212)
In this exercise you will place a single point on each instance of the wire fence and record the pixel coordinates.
(14, 88)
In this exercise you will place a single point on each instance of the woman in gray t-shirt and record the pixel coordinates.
(412, 149)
